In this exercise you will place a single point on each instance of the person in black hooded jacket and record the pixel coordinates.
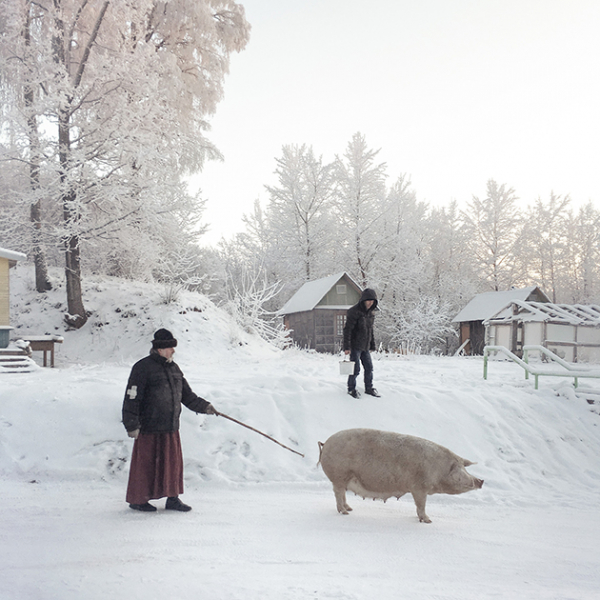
(359, 339)
(151, 410)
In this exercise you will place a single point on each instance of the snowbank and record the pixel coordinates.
(66, 422)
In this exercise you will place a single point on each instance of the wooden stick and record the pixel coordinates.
(220, 414)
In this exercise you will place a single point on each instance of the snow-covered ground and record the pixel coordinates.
(264, 524)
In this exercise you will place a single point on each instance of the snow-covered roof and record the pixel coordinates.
(12, 255)
(569, 314)
(486, 305)
(311, 293)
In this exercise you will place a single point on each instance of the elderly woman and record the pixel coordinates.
(155, 392)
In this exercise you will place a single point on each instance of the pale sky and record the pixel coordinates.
(453, 92)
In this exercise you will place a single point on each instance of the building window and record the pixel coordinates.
(340, 321)
(341, 289)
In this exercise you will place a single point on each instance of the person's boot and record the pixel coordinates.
(146, 507)
(373, 392)
(174, 503)
(354, 393)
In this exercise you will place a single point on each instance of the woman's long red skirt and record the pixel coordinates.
(156, 469)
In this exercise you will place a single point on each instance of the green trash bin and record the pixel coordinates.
(4, 336)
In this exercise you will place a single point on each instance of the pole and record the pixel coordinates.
(220, 414)
(485, 362)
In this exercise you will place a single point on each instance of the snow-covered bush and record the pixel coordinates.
(246, 300)
(426, 325)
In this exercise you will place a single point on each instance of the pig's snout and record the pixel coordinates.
(478, 483)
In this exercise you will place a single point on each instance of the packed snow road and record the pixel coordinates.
(68, 541)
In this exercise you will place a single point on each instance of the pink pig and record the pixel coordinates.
(382, 464)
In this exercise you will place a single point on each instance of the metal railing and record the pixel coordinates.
(574, 371)
(552, 356)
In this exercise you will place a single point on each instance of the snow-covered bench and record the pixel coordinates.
(43, 343)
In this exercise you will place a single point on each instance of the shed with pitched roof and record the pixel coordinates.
(316, 313)
(484, 306)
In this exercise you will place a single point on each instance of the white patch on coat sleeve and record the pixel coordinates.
(132, 392)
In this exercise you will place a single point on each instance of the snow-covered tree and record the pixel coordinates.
(547, 245)
(298, 211)
(18, 25)
(399, 268)
(452, 271)
(121, 93)
(399, 271)
(359, 200)
(494, 228)
(584, 260)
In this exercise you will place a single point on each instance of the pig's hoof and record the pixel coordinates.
(424, 519)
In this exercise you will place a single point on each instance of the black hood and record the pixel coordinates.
(369, 294)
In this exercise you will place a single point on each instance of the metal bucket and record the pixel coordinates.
(346, 367)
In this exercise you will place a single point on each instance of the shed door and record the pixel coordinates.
(477, 335)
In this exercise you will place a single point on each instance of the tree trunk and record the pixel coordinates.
(42, 281)
(76, 316)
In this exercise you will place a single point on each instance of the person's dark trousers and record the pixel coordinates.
(364, 357)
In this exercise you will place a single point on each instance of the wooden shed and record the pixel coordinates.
(484, 306)
(572, 331)
(316, 313)
(8, 259)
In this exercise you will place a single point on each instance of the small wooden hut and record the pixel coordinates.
(316, 313)
(484, 306)
(572, 331)
(8, 259)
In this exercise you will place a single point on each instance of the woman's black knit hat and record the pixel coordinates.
(163, 338)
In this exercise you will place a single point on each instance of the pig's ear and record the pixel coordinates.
(468, 463)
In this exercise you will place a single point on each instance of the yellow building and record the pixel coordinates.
(8, 259)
